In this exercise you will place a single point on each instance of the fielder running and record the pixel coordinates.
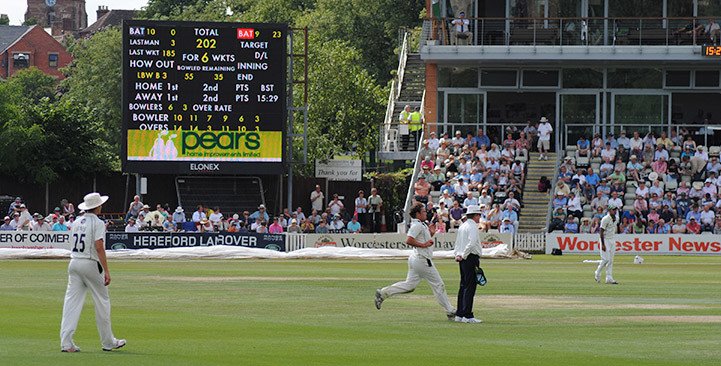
(609, 224)
(420, 264)
(88, 270)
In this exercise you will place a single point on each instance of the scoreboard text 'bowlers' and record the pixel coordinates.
(204, 97)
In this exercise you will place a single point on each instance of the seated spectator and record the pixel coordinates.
(579, 179)
(442, 153)
(666, 214)
(216, 217)
(571, 227)
(512, 202)
(568, 165)
(207, 227)
(595, 226)
(470, 200)
(422, 190)
(574, 207)
(260, 213)
(308, 226)
(655, 202)
(461, 30)
(660, 152)
(544, 185)
(560, 201)
(456, 214)
(565, 176)
(597, 145)
(708, 219)
(522, 145)
(650, 140)
(662, 227)
(59, 225)
(494, 217)
(664, 141)
(656, 189)
(660, 166)
(507, 227)
(322, 228)
(509, 214)
(615, 200)
(427, 163)
(617, 177)
(678, 227)
(132, 226)
(275, 227)
(639, 227)
(583, 147)
(562, 187)
(647, 155)
(606, 169)
(699, 161)
(446, 199)
(443, 215)
(6, 226)
(447, 187)
(585, 227)
(696, 192)
(461, 190)
(558, 219)
(636, 144)
(717, 226)
(608, 152)
(642, 190)
(693, 227)
(600, 201)
(437, 178)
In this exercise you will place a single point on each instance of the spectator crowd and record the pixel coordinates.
(664, 184)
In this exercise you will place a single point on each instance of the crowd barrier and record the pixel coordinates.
(663, 244)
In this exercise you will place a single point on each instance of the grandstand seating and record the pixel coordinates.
(694, 171)
(232, 194)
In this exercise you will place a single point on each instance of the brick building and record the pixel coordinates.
(25, 46)
(62, 16)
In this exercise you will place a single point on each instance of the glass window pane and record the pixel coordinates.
(680, 8)
(635, 8)
(640, 109)
(678, 78)
(540, 78)
(582, 78)
(465, 108)
(709, 8)
(707, 79)
(498, 77)
(458, 77)
(578, 109)
(634, 78)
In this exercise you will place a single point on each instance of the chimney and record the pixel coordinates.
(102, 10)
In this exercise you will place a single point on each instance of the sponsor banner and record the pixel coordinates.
(443, 241)
(154, 240)
(205, 145)
(35, 239)
(672, 244)
(345, 170)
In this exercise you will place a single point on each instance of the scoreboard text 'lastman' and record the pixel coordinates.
(204, 97)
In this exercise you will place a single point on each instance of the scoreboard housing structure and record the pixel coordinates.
(202, 97)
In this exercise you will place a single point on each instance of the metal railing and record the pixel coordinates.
(549, 209)
(496, 131)
(589, 31)
(706, 135)
(395, 91)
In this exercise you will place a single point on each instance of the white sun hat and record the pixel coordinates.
(92, 200)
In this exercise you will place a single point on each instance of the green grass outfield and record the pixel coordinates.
(545, 311)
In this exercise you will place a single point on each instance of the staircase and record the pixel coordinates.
(412, 89)
(535, 203)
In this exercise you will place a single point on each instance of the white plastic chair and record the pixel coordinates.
(392, 139)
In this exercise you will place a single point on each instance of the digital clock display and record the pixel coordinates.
(712, 51)
(204, 97)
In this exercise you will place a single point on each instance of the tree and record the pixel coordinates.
(4, 19)
(32, 85)
(94, 81)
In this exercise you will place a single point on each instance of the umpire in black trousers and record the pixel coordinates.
(468, 252)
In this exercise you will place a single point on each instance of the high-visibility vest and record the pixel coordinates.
(416, 121)
(404, 117)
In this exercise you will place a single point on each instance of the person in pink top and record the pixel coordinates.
(275, 227)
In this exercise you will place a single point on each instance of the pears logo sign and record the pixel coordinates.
(204, 98)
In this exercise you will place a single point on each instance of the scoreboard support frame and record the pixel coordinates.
(301, 57)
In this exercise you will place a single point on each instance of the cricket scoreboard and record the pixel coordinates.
(203, 97)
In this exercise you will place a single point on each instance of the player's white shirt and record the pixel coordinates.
(420, 232)
(86, 230)
(544, 131)
(609, 225)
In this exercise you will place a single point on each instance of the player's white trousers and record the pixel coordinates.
(607, 259)
(418, 269)
(84, 275)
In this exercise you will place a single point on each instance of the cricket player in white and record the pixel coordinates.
(88, 270)
(420, 264)
(609, 224)
(468, 252)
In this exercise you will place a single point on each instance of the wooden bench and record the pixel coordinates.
(542, 36)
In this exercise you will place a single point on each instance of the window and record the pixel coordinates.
(634, 78)
(21, 60)
(707, 79)
(53, 60)
(498, 78)
(678, 79)
(582, 78)
(539, 78)
(458, 77)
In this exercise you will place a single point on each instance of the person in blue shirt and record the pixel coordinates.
(60, 225)
(447, 186)
(353, 226)
(583, 146)
(560, 201)
(695, 213)
(482, 139)
(571, 226)
(592, 178)
(260, 213)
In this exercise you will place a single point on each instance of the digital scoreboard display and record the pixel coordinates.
(711, 51)
(204, 97)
